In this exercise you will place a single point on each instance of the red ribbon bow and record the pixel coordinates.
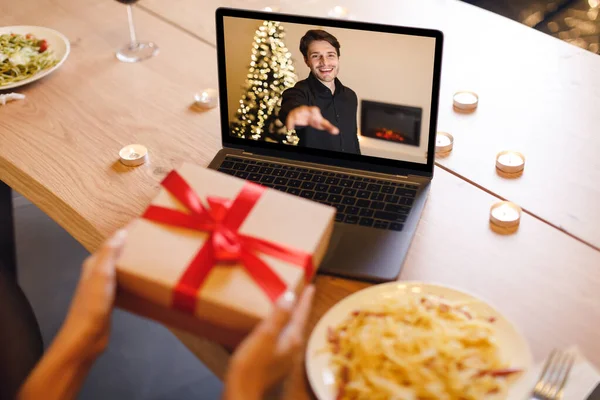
(225, 244)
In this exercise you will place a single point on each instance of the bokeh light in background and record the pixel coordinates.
(574, 21)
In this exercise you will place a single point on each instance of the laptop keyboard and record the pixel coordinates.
(362, 201)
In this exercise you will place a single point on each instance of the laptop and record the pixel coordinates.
(340, 112)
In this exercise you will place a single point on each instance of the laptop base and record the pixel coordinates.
(355, 251)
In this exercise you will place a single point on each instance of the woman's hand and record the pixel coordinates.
(84, 334)
(87, 326)
(268, 355)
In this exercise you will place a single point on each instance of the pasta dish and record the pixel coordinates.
(419, 347)
(22, 56)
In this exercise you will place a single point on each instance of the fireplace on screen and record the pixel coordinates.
(395, 123)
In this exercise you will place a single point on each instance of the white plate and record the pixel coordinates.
(513, 346)
(57, 42)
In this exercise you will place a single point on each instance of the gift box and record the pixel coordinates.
(212, 253)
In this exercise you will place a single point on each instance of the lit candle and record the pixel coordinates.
(208, 98)
(510, 161)
(505, 214)
(338, 12)
(443, 142)
(133, 155)
(466, 100)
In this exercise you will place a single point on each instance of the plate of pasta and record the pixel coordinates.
(28, 53)
(411, 340)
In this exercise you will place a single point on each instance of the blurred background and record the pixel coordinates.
(574, 21)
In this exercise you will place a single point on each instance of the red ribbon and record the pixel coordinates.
(222, 219)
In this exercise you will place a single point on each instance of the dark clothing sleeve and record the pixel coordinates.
(21, 344)
(291, 98)
(356, 145)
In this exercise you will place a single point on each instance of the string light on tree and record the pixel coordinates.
(270, 73)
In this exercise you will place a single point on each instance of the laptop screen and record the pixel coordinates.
(343, 89)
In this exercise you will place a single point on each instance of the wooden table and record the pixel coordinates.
(59, 149)
(538, 95)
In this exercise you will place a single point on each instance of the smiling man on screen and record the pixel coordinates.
(320, 108)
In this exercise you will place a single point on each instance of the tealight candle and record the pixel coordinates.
(133, 155)
(443, 142)
(466, 100)
(208, 98)
(510, 161)
(505, 214)
(338, 12)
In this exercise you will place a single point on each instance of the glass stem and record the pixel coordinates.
(132, 36)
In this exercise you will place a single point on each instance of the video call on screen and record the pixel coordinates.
(336, 89)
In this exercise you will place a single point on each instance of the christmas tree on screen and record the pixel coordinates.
(270, 73)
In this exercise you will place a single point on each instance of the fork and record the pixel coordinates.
(553, 377)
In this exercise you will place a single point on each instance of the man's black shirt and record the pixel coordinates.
(339, 108)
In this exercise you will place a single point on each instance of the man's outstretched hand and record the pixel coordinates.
(309, 116)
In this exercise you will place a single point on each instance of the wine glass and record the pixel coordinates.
(135, 51)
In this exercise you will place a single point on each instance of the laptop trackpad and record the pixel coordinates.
(365, 253)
